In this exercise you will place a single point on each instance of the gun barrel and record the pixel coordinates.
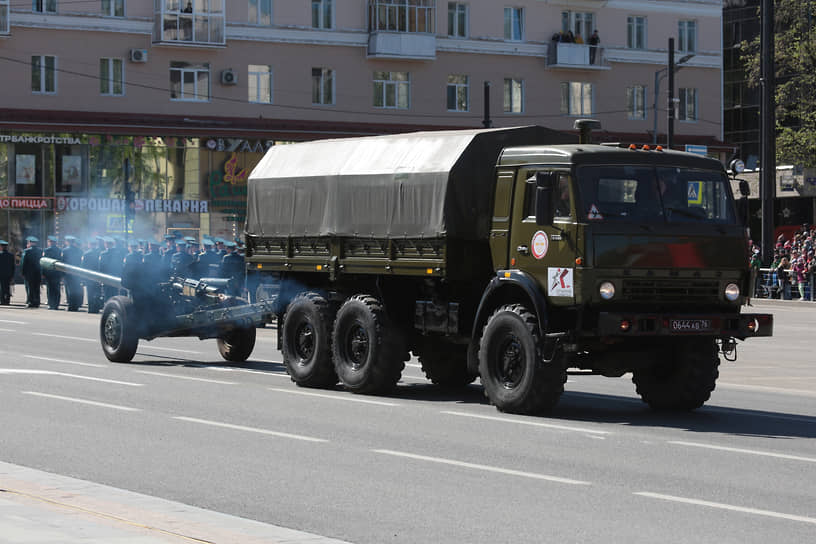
(53, 264)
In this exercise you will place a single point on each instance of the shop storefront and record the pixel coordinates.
(79, 184)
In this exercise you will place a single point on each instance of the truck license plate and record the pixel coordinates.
(690, 325)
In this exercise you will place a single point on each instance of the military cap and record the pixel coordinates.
(53, 238)
(142, 241)
(230, 244)
(108, 239)
(219, 240)
(70, 238)
(207, 242)
(32, 239)
(169, 236)
(181, 243)
(3, 243)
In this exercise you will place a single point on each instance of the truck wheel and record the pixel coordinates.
(368, 351)
(684, 379)
(306, 341)
(118, 330)
(513, 375)
(444, 364)
(236, 346)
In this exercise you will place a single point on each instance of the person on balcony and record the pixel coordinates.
(594, 40)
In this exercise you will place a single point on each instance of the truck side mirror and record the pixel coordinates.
(544, 201)
(744, 189)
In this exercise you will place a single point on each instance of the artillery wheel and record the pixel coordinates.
(443, 363)
(306, 341)
(118, 330)
(236, 346)
(515, 378)
(684, 377)
(369, 352)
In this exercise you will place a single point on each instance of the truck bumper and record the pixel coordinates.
(739, 326)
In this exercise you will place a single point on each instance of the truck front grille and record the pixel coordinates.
(670, 290)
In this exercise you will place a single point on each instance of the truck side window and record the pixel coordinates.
(561, 196)
(530, 197)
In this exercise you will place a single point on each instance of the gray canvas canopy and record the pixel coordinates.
(416, 185)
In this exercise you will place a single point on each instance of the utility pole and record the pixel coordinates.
(767, 186)
(670, 129)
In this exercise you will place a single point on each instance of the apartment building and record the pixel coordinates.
(191, 92)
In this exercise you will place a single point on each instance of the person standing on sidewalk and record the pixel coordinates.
(32, 273)
(755, 264)
(800, 270)
(783, 279)
(52, 277)
(6, 273)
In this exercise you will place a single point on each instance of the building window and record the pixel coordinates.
(4, 16)
(581, 24)
(260, 12)
(111, 77)
(688, 105)
(322, 13)
(189, 82)
(576, 98)
(259, 81)
(186, 21)
(636, 32)
(687, 36)
(636, 102)
(514, 24)
(322, 86)
(392, 90)
(458, 96)
(44, 6)
(513, 95)
(457, 20)
(402, 15)
(43, 74)
(113, 8)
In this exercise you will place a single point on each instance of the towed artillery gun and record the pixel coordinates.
(171, 307)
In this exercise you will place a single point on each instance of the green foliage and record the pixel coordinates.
(795, 68)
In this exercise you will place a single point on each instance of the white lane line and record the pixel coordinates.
(249, 429)
(13, 322)
(743, 509)
(83, 401)
(168, 375)
(187, 351)
(7, 330)
(341, 396)
(53, 360)
(66, 375)
(65, 337)
(765, 388)
(487, 468)
(531, 423)
(741, 450)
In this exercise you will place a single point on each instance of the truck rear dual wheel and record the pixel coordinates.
(369, 352)
(684, 377)
(306, 341)
(514, 376)
(118, 330)
(443, 363)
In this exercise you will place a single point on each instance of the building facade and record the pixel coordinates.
(174, 101)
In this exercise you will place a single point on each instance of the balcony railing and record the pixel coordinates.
(576, 55)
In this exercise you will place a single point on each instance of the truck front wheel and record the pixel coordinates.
(514, 375)
(683, 379)
(306, 345)
(368, 350)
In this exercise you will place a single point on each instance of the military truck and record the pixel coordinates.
(504, 254)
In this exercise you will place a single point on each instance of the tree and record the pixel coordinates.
(795, 60)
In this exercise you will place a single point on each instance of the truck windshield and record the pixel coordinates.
(649, 194)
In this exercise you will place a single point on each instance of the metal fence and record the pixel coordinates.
(767, 285)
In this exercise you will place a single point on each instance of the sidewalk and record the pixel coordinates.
(41, 508)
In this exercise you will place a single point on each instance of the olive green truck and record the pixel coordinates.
(503, 254)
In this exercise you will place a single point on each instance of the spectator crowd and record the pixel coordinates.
(793, 267)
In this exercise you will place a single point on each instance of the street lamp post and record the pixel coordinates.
(659, 75)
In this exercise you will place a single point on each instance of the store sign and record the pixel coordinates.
(239, 144)
(12, 203)
(118, 205)
(15, 139)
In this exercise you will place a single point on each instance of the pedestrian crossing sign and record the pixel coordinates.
(695, 193)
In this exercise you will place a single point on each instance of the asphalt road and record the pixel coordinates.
(421, 465)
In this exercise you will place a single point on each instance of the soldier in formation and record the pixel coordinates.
(52, 277)
(6, 273)
(72, 254)
(32, 274)
(90, 261)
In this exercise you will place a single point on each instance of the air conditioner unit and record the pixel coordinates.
(138, 55)
(229, 77)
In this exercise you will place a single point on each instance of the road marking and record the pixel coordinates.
(13, 322)
(249, 429)
(487, 468)
(532, 423)
(765, 388)
(339, 396)
(731, 507)
(740, 450)
(65, 337)
(168, 375)
(83, 401)
(63, 361)
(187, 351)
(77, 376)
(7, 330)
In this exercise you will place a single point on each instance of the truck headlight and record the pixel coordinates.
(732, 292)
(607, 290)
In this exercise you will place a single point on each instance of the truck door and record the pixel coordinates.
(502, 210)
(546, 252)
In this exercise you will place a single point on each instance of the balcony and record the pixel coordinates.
(578, 56)
(174, 24)
(401, 45)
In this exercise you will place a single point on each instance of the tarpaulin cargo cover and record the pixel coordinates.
(416, 185)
